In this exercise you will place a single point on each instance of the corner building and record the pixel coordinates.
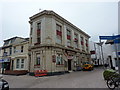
(56, 45)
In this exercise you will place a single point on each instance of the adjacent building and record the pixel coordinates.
(15, 54)
(55, 44)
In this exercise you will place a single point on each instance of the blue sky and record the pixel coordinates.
(95, 17)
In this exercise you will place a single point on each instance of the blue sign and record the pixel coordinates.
(1, 60)
(107, 37)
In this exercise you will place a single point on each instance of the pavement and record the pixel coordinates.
(80, 79)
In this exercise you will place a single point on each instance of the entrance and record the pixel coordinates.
(12, 65)
(69, 64)
(7, 65)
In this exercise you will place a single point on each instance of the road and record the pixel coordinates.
(80, 79)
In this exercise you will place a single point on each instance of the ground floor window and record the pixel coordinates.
(59, 59)
(20, 63)
(17, 63)
(37, 59)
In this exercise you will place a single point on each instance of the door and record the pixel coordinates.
(69, 64)
(12, 65)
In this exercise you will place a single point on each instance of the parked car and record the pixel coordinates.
(3, 84)
(87, 67)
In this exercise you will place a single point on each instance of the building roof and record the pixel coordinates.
(12, 38)
(50, 12)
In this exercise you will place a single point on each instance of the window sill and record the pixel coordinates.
(59, 64)
(37, 66)
(37, 44)
(70, 47)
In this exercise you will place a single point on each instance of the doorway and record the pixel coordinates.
(12, 65)
(7, 65)
(69, 64)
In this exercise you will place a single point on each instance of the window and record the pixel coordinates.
(17, 63)
(22, 63)
(39, 26)
(38, 33)
(6, 43)
(68, 37)
(76, 40)
(22, 48)
(38, 40)
(86, 45)
(14, 49)
(59, 60)
(10, 50)
(12, 40)
(58, 34)
(5, 53)
(82, 41)
(38, 59)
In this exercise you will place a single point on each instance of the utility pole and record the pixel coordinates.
(116, 51)
(102, 52)
(95, 52)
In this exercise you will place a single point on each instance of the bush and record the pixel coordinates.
(107, 73)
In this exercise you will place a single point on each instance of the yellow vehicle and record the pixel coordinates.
(87, 67)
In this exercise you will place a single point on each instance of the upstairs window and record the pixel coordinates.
(68, 34)
(68, 37)
(10, 50)
(12, 40)
(22, 48)
(82, 41)
(38, 33)
(14, 49)
(39, 26)
(58, 34)
(6, 43)
(76, 40)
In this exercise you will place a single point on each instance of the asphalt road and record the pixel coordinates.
(80, 79)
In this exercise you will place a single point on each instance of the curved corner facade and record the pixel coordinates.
(56, 45)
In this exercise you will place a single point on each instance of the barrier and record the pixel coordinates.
(40, 73)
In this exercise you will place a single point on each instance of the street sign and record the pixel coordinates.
(109, 37)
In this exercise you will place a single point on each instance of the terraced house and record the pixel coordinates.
(56, 45)
(15, 55)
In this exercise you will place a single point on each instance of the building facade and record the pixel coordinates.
(15, 54)
(56, 45)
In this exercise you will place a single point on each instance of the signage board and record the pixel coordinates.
(1, 60)
(109, 37)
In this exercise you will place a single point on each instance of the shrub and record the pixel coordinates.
(107, 73)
